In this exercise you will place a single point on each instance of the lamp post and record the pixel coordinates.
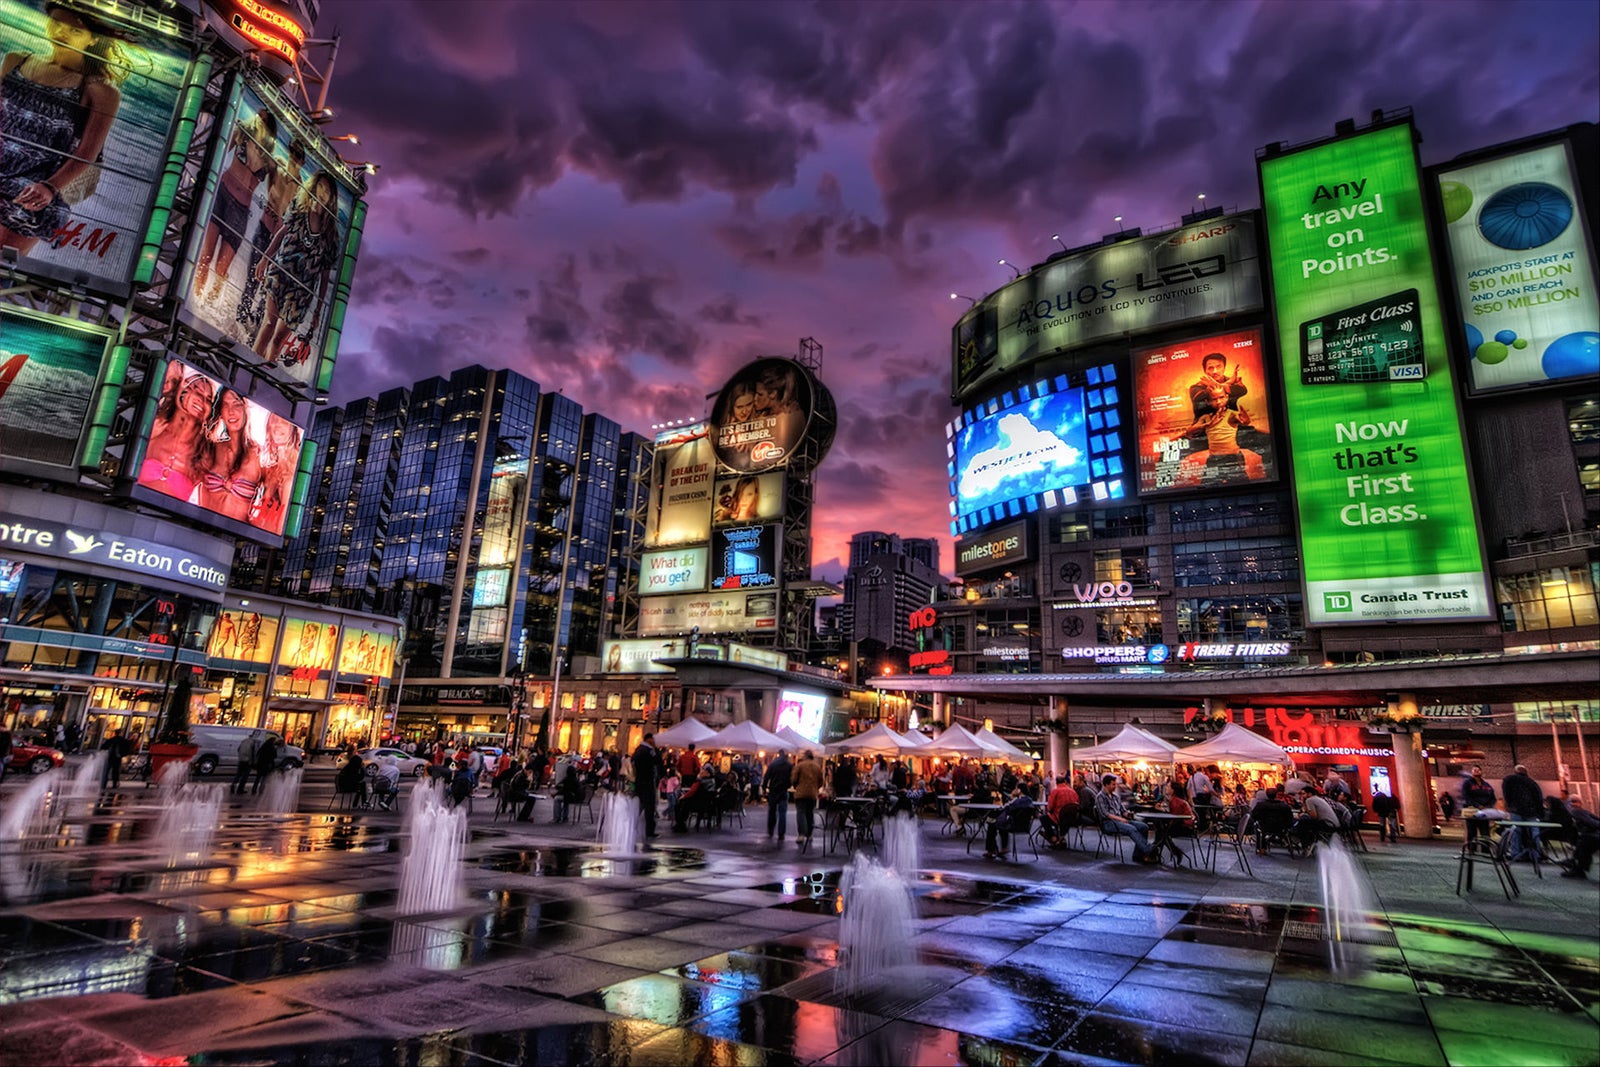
(555, 704)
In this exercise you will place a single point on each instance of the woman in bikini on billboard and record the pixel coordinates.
(56, 113)
(172, 455)
(230, 475)
(278, 461)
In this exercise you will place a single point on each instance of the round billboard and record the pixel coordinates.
(762, 414)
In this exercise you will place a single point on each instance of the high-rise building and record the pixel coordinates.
(497, 520)
(889, 578)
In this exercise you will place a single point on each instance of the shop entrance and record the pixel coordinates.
(293, 726)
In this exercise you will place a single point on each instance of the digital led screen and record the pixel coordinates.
(1017, 452)
(1387, 526)
(745, 557)
(243, 635)
(222, 454)
(1203, 414)
(369, 652)
(489, 587)
(680, 488)
(11, 571)
(639, 657)
(87, 106)
(672, 570)
(748, 498)
(49, 369)
(804, 713)
(712, 613)
(261, 272)
(1523, 268)
(308, 644)
(761, 415)
(1113, 290)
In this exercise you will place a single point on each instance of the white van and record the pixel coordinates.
(219, 749)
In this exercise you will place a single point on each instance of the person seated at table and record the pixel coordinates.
(879, 777)
(462, 783)
(569, 791)
(1178, 804)
(1061, 813)
(1115, 819)
(1318, 820)
(1013, 818)
(352, 779)
(519, 790)
(961, 778)
(386, 785)
(1586, 827)
(1270, 817)
(941, 782)
(699, 799)
(899, 776)
(844, 777)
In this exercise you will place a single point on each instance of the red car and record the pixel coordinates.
(32, 755)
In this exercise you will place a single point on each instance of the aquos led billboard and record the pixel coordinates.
(1523, 266)
(1388, 531)
(260, 274)
(87, 110)
(1108, 292)
(1203, 414)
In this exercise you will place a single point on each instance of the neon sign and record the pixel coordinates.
(268, 29)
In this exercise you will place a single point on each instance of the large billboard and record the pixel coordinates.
(308, 645)
(243, 635)
(804, 713)
(1014, 453)
(1203, 414)
(746, 557)
(1523, 268)
(260, 273)
(213, 453)
(87, 108)
(1386, 514)
(49, 370)
(1110, 291)
(639, 657)
(748, 498)
(710, 613)
(672, 570)
(762, 414)
(369, 652)
(680, 489)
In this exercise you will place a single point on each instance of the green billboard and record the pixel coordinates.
(1387, 526)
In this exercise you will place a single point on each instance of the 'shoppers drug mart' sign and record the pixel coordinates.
(1386, 516)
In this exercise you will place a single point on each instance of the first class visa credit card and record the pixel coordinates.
(1379, 341)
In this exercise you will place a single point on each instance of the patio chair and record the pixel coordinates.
(730, 805)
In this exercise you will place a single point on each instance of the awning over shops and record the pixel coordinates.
(1235, 744)
(299, 704)
(956, 741)
(795, 740)
(746, 737)
(1131, 743)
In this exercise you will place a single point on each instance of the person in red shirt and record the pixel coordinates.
(688, 765)
(1061, 812)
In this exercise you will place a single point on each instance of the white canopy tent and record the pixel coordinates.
(915, 739)
(795, 741)
(1235, 744)
(1003, 748)
(1132, 743)
(690, 731)
(878, 741)
(956, 741)
(745, 737)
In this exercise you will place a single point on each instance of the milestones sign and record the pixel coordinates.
(1386, 515)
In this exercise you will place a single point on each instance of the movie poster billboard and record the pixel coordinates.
(260, 273)
(223, 455)
(639, 657)
(87, 109)
(1110, 291)
(244, 635)
(49, 370)
(1523, 267)
(368, 652)
(1203, 414)
(1387, 527)
(748, 498)
(308, 644)
(710, 613)
(680, 490)
(761, 415)
(745, 557)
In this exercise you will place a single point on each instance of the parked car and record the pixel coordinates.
(219, 749)
(408, 764)
(32, 753)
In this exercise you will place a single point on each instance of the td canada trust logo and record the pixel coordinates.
(1337, 602)
(993, 548)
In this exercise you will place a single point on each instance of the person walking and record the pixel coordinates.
(780, 773)
(646, 769)
(267, 761)
(807, 776)
(247, 761)
(1387, 809)
(116, 747)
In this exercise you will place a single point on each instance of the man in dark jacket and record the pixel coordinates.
(1524, 800)
(779, 773)
(646, 771)
(1387, 810)
(1587, 827)
(1475, 793)
(267, 760)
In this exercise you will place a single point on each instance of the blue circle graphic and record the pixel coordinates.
(1576, 355)
(1157, 654)
(1505, 337)
(1525, 215)
(1474, 337)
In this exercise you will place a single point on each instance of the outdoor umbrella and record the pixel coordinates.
(1235, 744)
(690, 731)
(956, 741)
(878, 741)
(745, 737)
(1132, 743)
(796, 741)
(1003, 748)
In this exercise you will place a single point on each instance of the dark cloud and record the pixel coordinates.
(725, 311)
(638, 322)
(561, 319)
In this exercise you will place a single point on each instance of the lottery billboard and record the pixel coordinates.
(87, 109)
(1388, 531)
(1203, 414)
(1523, 268)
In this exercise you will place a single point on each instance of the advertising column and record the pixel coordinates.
(1387, 524)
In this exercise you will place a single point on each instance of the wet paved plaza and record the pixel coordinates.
(718, 948)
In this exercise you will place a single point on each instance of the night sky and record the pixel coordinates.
(627, 202)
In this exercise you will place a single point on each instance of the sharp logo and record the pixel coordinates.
(82, 543)
(1338, 602)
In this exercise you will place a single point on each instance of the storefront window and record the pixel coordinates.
(1236, 561)
(1548, 599)
(1233, 513)
(1557, 711)
(613, 701)
(1257, 618)
(1068, 528)
(1128, 626)
(1135, 565)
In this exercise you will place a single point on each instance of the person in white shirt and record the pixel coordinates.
(1200, 788)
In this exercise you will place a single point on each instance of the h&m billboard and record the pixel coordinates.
(1387, 527)
(1110, 291)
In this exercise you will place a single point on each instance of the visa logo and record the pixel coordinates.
(1406, 371)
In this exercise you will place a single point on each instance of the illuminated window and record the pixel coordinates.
(1248, 618)
(1549, 599)
(1128, 626)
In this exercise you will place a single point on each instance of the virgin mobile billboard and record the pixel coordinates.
(1386, 516)
(1130, 287)
(1203, 418)
(1523, 268)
